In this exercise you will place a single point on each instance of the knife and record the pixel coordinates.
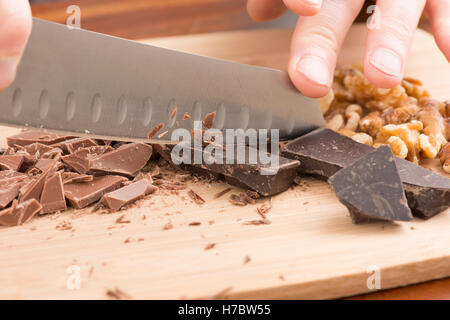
(82, 82)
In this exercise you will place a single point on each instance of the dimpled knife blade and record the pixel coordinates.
(83, 82)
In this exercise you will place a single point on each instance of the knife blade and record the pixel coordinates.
(82, 82)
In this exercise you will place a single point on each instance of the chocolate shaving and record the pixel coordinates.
(194, 196)
(155, 130)
(222, 193)
(186, 116)
(208, 120)
(173, 114)
(117, 294)
(121, 219)
(210, 246)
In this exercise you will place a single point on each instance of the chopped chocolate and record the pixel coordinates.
(371, 188)
(44, 164)
(19, 214)
(428, 193)
(127, 160)
(80, 161)
(155, 130)
(37, 149)
(52, 198)
(82, 194)
(238, 199)
(324, 152)
(72, 145)
(12, 162)
(210, 246)
(266, 179)
(195, 224)
(10, 187)
(208, 120)
(121, 219)
(264, 209)
(33, 189)
(197, 199)
(128, 194)
(28, 137)
(69, 177)
(252, 194)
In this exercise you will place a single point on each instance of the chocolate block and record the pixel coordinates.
(72, 145)
(371, 188)
(126, 160)
(52, 197)
(324, 152)
(82, 194)
(259, 177)
(19, 214)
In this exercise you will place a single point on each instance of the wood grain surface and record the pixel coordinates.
(310, 249)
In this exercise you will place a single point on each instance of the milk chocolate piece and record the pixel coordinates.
(72, 145)
(44, 164)
(80, 160)
(324, 152)
(52, 198)
(37, 149)
(83, 194)
(19, 214)
(265, 179)
(128, 194)
(28, 137)
(69, 177)
(11, 162)
(10, 186)
(33, 189)
(126, 160)
(371, 188)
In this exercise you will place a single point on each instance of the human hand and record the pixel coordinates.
(322, 27)
(15, 28)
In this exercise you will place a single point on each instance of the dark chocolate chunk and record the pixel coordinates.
(324, 152)
(19, 214)
(52, 197)
(28, 137)
(128, 194)
(265, 179)
(371, 188)
(428, 193)
(80, 161)
(13, 162)
(83, 194)
(126, 160)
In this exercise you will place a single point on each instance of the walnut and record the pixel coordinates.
(444, 156)
(434, 124)
(400, 115)
(398, 147)
(428, 147)
(335, 122)
(371, 123)
(414, 88)
(363, 138)
(408, 132)
(353, 114)
(447, 108)
(447, 126)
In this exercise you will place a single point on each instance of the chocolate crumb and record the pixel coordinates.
(247, 259)
(64, 225)
(257, 222)
(195, 224)
(186, 116)
(168, 226)
(210, 246)
(121, 219)
(117, 294)
(173, 114)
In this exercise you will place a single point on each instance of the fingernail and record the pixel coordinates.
(8, 67)
(387, 61)
(315, 69)
(314, 3)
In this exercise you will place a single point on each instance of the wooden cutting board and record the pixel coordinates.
(310, 250)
